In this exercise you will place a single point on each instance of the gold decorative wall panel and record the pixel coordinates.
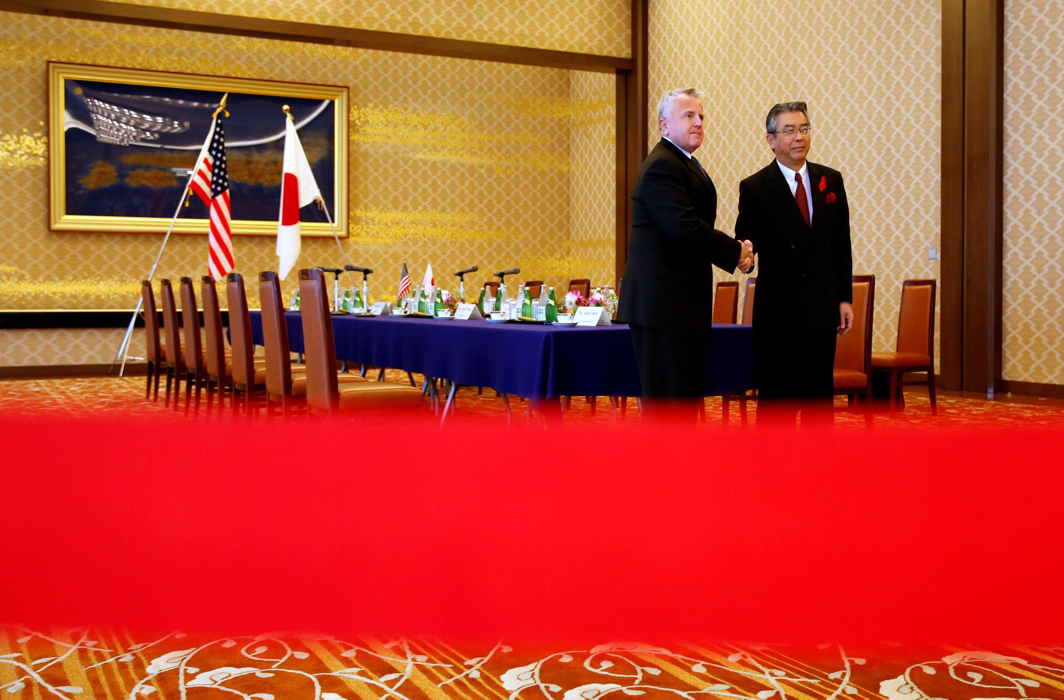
(452, 163)
(600, 27)
(1033, 275)
(871, 74)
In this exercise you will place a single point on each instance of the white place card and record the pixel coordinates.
(592, 316)
(381, 307)
(467, 312)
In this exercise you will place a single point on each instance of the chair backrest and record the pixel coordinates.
(171, 331)
(240, 332)
(854, 350)
(534, 288)
(213, 333)
(493, 286)
(153, 349)
(748, 301)
(916, 318)
(581, 286)
(191, 326)
(275, 336)
(726, 302)
(319, 346)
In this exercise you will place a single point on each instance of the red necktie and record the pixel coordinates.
(799, 196)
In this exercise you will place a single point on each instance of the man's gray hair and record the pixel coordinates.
(666, 100)
(770, 120)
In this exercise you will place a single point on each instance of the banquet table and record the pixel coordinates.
(531, 360)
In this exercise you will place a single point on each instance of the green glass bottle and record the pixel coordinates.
(422, 308)
(345, 305)
(499, 294)
(438, 306)
(480, 301)
(356, 302)
(526, 303)
(552, 307)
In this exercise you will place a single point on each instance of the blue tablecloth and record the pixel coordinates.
(530, 360)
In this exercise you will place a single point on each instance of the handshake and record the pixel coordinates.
(746, 256)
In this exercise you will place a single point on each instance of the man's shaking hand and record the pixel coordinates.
(746, 256)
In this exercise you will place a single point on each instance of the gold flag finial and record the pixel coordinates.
(287, 110)
(221, 107)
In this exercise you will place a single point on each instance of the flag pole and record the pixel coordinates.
(123, 347)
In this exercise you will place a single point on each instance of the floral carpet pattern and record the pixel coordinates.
(51, 662)
(94, 663)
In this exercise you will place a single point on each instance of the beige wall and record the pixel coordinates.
(1034, 189)
(870, 72)
(452, 162)
(584, 26)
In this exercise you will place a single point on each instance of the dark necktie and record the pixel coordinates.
(799, 196)
(701, 170)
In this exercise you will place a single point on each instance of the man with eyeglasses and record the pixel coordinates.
(796, 215)
(667, 295)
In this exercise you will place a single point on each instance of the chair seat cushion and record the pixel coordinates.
(850, 379)
(900, 359)
(378, 394)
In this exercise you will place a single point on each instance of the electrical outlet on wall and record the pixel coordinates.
(932, 252)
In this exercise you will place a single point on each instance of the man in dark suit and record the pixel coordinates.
(796, 215)
(667, 292)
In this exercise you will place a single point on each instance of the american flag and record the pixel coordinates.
(404, 284)
(210, 182)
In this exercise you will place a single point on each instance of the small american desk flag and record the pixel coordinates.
(404, 284)
(210, 182)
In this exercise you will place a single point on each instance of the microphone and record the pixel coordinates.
(353, 268)
(335, 270)
(467, 270)
(511, 271)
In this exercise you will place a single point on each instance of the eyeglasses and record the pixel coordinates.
(791, 131)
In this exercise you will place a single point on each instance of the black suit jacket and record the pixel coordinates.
(803, 272)
(668, 281)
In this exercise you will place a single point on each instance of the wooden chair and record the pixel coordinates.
(493, 286)
(324, 392)
(534, 288)
(246, 377)
(216, 357)
(175, 361)
(915, 349)
(195, 368)
(153, 345)
(581, 286)
(726, 302)
(853, 351)
(748, 302)
(284, 383)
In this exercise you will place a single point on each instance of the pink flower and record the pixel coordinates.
(830, 197)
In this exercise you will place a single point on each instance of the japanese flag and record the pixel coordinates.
(298, 189)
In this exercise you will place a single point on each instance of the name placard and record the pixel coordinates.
(591, 316)
(467, 312)
(381, 307)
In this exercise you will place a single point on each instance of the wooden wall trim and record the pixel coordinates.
(632, 100)
(972, 197)
(951, 241)
(1055, 391)
(983, 202)
(57, 371)
(219, 23)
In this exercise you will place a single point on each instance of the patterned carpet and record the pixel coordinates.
(96, 395)
(84, 663)
(50, 661)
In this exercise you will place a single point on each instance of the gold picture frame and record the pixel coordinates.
(107, 175)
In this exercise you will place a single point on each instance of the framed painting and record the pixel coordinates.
(122, 144)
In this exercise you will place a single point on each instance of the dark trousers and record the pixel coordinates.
(671, 364)
(794, 371)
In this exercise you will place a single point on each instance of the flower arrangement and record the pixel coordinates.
(450, 301)
(575, 299)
